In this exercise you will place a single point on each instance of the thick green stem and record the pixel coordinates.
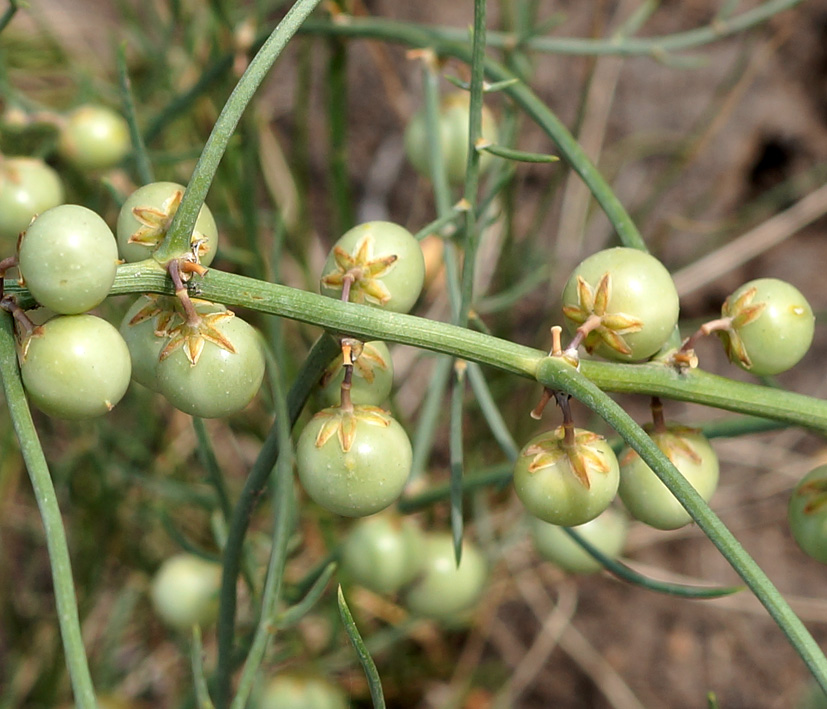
(368, 323)
(64, 588)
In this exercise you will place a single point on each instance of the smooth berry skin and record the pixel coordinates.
(94, 138)
(607, 532)
(383, 552)
(152, 197)
(783, 332)
(444, 591)
(360, 481)
(402, 281)
(77, 367)
(807, 514)
(454, 113)
(68, 258)
(222, 382)
(294, 690)
(641, 288)
(648, 499)
(554, 492)
(28, 186)
(185, 590)
(144, 344)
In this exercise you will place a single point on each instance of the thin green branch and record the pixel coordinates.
(177, 239)
(567, 379)
(64, 588)
(142, 162)
(472, 169)
(624, 573)
(522, 95)
(456, 454)
(314, 365)
(283, 505)
(14, 6)
(654, 47)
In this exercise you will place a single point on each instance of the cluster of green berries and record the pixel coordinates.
(90, 138)
(621, 304)
(200, 356)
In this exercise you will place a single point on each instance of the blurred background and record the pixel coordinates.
(719, 151)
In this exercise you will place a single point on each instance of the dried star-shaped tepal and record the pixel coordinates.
(584, 457)
(193, 336)
(361, 273)
(621, 303)
(592, 315)
(343, 423)
(376, 263)
(147, 215)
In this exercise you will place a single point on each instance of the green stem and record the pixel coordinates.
(177, 239)
(374, 682)
(523, 96)
(142, 162)
(368, 323)
(314, 365)
(456, 455)
(64, 588)
(283, 504)
(568, 380)
(343, 218)
(472, 169)
(655, 47)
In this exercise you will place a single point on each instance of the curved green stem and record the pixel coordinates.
(655, 47)
(567, 379)
(64, 588)
(177, 240)
(623, 572)
(314, 365)
(523, 96)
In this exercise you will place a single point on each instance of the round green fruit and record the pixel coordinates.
(185, 590)
(294, 690)
(772, 326)
(606, 532)
(383, 552)
(445, 591)
(75, 366)
(372, 377)
(68, 258)
(146, 216)
(94, 138)
(353, 462)
(647, 498)
(382, 263)
(28, 186)
(211, 370)
(566, 483)
(454, 120)
(808, 513)
(629, 297)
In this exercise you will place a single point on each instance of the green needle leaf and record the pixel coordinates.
(375, 684)
(624, 573)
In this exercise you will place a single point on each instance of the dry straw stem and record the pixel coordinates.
(755, 242)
